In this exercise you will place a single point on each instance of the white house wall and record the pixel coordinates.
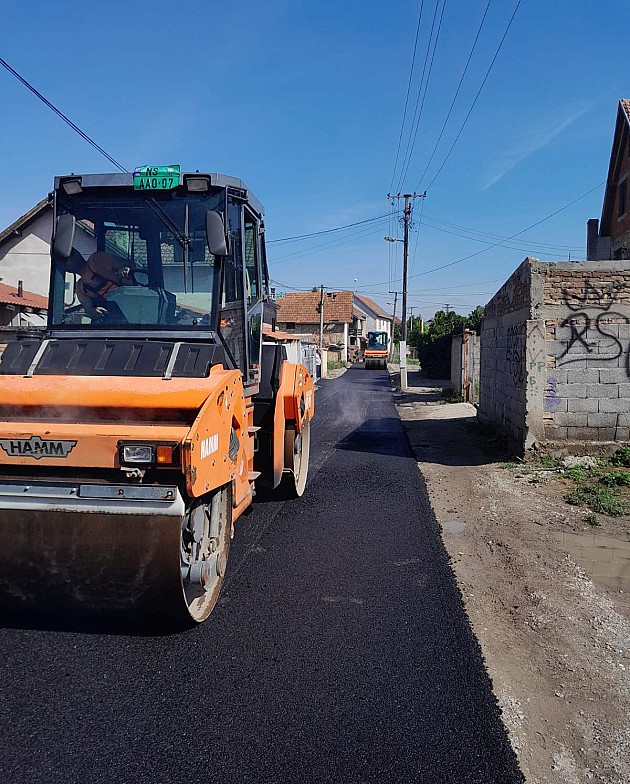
(26, 257)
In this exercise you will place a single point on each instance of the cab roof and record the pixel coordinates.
(125, 180)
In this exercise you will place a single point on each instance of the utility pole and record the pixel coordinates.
(321, 318)
(403, 338)
(448, 308)
(391, 350)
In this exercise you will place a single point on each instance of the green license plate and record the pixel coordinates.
(156, 178)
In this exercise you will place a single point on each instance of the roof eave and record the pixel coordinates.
(622, 124)
(25, 219)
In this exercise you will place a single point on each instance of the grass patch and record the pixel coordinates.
(598, 498)
(601, 489)
(336, 365)
(578, 473)
(547, 461)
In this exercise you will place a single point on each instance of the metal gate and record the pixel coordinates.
(468, 360)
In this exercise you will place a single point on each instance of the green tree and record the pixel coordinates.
(475, 319)
(434, 345)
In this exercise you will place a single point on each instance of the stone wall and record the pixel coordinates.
(555, 355)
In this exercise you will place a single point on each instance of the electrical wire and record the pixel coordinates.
(402, 125)
(326, 231)
(495, 244)
(488, 236)
(325, 246)
(60, 114)
(499, 244)
(418, 113)
(485, 78)
(461, 80)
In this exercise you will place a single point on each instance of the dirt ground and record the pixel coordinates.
(554, 626)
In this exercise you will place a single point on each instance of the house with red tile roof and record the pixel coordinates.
(21, 308)
(348, 317)
(25, 248)
(609, 238)
(343, 323)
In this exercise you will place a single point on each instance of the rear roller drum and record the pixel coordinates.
(205, 543)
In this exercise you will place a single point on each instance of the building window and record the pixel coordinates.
(290, 326)
(623, 189)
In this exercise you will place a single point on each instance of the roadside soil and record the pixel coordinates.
(555, 638)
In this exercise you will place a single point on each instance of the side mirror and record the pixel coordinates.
(64, 236)
(215, 234)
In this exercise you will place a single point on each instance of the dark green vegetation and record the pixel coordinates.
(434, 344)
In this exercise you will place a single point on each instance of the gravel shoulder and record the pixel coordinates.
(556, 641)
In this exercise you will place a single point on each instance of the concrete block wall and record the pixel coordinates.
(555, 355)
(502, 377)
(586, 307)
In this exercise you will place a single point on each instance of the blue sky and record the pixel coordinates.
(304, 101)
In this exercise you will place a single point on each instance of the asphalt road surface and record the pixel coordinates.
(339, 652)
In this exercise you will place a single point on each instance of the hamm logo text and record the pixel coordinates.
(36, 447)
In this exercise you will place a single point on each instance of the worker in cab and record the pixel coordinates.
(103, 272)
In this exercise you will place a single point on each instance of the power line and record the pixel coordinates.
(439, 139)
(500, 243)
(485, 78)
(494, 245)
(326, 231)
(402, 125)
(491, 236)
(527, 228)
(324, 246)
(414, 133)
(60, 114)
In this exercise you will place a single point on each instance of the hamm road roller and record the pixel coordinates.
(134, 428)
(375, 355)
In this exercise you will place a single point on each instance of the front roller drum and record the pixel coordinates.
(297, 450)
(112, 550)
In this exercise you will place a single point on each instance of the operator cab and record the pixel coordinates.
(378, 340)
(160, 254)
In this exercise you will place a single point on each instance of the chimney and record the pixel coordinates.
(592, 234)
(20, 288)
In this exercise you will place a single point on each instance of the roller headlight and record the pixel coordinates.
(135, 454)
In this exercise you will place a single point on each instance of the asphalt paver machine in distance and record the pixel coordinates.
(134, 428)
(377, 350)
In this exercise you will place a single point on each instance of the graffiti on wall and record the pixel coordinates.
(515, 352)
(590, 323)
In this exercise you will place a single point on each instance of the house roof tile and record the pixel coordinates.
(301, 308)
(9, 296)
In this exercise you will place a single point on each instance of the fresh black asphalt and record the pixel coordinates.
(340, 650)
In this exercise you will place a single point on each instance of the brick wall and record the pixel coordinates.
(555, 355)
(333, 333)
